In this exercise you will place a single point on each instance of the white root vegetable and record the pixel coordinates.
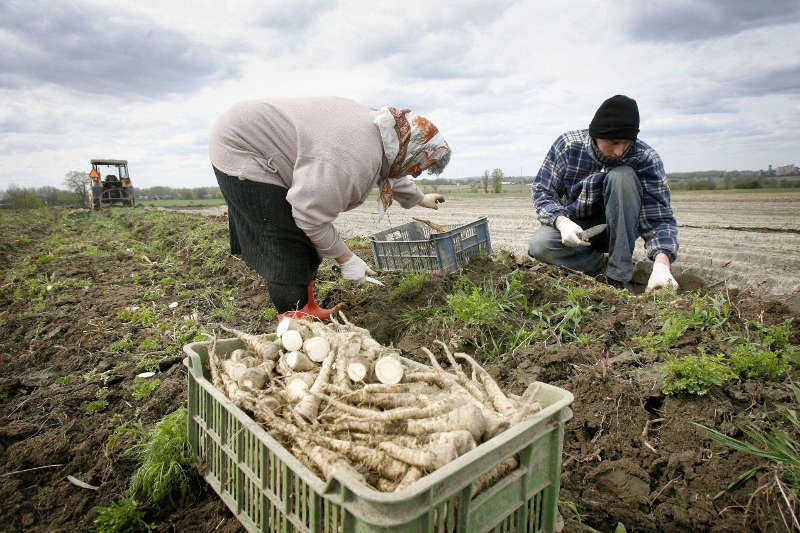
(264, 348)
(307, 407)
(473, 388)
(359, 369)
(528, 405)
(419, 387)
(253, 378)
(389, 370)
(401, 413)
(500, 401)
(388, 433)
(317, 348)
(412, 474)
(238, 354)
(375, 460)
(384, 400)
(233, 369)
(297, 386)
(214, 365)
(298, 361)
(351, 348)
(347, 325)
(328, 462)
(466, 416)
(442, 449)
(292, 340)
(285, 325)
(494, 475)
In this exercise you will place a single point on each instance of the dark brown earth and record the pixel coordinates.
(631, 453)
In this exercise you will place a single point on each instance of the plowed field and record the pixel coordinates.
(88, 301)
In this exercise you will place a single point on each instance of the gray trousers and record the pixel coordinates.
(622, 199)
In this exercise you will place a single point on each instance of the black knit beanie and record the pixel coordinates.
(616, 118)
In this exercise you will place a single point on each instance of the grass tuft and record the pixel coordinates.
(166, 461)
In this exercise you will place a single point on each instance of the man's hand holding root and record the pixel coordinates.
(570, 232)
(660, 277)
(432, 201)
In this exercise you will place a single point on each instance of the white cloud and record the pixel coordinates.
(500, 79)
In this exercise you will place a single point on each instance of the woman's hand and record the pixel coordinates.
(432, 201)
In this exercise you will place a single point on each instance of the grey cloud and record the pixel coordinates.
(438, 47)
(703, 19)
(293, 17)
(101, 50)
(719, 96)
(782, 80)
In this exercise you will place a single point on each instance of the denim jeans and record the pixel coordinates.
(622, 199)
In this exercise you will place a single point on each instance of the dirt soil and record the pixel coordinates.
(631, 453)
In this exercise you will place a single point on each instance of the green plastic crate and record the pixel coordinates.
(268, 489)
(415, 246)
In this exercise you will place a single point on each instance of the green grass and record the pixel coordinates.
(410, 284)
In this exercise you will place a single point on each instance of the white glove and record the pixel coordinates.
(432, 201)
(660, 277)
(569, 232)
(355, 269)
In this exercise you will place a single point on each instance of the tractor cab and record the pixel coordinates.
(111, 183)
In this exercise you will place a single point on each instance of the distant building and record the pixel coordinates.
(787, 170)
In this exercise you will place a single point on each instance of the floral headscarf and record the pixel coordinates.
(412, 144)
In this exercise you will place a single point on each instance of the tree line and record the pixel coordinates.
(76, 193)
(77, 185)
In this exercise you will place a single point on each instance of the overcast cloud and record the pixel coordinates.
(717, 82)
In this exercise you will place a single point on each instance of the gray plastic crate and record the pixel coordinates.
(268, 489)
(415, 246)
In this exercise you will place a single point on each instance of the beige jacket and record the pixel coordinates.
(326, 151)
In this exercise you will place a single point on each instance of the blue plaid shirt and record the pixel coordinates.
(570, 183)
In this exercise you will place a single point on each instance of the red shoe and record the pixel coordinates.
(311, 311)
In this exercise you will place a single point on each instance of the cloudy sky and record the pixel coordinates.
(717, 82)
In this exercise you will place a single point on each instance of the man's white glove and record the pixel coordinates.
(570, 232)
(355, 269)
(660, 277)
(432, 201)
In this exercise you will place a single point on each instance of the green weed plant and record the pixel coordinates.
(705, 312)
(143, 316)
(165, 459)
(122, 516)
(752, 361)
(142, 387)
(696, 374)
(410, 284)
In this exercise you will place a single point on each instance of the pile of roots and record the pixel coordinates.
(341, 401)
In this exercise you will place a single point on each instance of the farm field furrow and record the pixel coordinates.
(93, 302)
(767, 261)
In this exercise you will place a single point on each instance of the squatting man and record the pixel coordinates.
(605, 175)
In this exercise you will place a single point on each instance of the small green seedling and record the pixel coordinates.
(142, 387)
(121, 516)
